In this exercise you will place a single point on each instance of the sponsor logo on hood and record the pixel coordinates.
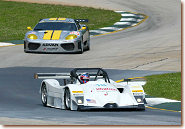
(101, 85)
(50, 44)
(106, 89)
(50, 49)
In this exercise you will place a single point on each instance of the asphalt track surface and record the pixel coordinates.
(20, 99)
(153, 45)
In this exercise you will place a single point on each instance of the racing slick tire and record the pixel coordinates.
(81, 46)
(44, 95)
(141, 107)
(67, 99)
(88, 45)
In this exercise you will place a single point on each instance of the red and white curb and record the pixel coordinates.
(128, 20)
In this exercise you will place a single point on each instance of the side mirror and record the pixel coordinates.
(29, 28)
(83, 28)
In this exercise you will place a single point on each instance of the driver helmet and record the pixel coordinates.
(84, 78)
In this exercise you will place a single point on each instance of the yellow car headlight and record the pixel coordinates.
(32, 36)
(71, 36)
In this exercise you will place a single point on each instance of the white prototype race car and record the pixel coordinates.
(67, 91)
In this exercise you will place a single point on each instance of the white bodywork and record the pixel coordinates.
(95, 94)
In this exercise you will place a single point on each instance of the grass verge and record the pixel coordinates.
(16, 16)
(164, 85)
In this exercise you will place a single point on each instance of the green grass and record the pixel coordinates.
(16, 16)
(164, 85)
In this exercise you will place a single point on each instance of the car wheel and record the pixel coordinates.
(67, 99)
(141, 107)
(81, 48)
(44, 95)
(88, 44)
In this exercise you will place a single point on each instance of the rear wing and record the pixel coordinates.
(52, 76)
(94, 73)
(61, 76)
(81, 20)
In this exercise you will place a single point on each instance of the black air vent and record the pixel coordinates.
(68, 46)
(33, 46)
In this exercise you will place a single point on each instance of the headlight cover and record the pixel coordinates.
(71, 36)
(32, 36)
(79, 99)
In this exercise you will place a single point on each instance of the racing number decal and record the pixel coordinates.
(47, 34)
(52, 35)
(56, 35)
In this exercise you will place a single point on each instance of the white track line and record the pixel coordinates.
(98, 31)
(110, 28)
(6, 44)
(156, 101)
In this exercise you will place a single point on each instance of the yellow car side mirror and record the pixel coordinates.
(83, 28)
(29, 28)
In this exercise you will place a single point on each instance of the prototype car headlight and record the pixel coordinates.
(32, 36)
(71, 36)
(79, 99)
(139, 100)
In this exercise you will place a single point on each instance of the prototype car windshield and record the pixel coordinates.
(56, 26)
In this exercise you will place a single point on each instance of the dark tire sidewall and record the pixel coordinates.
(67, 106)
(42, 88)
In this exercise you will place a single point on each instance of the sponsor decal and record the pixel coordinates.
(101, 85)
(106, 89)
(53, 19)
(50, 49)
(106, 94)
(77, 91)
(61, 18)
(137, 90)
(50, 44)
(91, 101)
(75, 32)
